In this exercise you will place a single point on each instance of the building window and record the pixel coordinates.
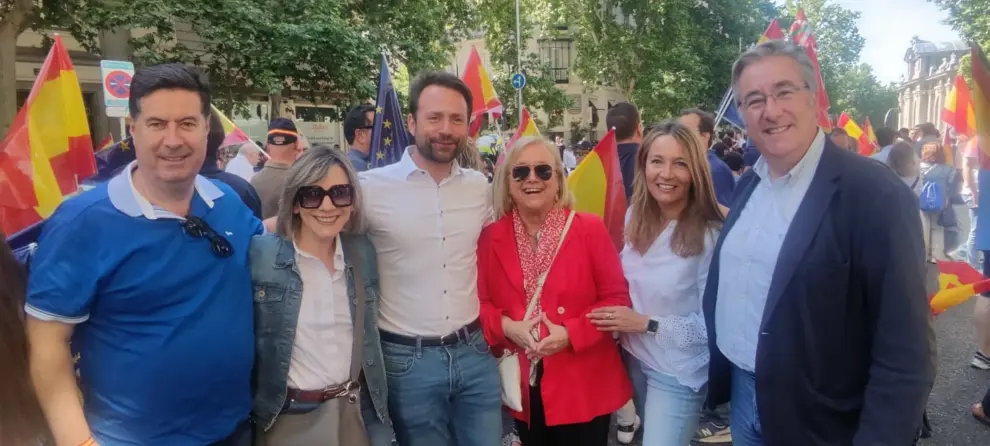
(557, 53)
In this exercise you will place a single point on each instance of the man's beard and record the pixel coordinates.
(425, 148)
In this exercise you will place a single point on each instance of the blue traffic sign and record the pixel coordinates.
(518, 81)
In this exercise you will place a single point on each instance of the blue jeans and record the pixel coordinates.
(745, 419)
(672, 410)
(972, 254)
(638, 380)
(444, 396)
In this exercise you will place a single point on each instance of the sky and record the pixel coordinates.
(887, 26)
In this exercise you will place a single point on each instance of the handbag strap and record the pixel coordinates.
(543, 277)
(354, 262)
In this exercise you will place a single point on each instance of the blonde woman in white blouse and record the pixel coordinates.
(671, 228)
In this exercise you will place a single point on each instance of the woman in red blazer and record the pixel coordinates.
(578, 378)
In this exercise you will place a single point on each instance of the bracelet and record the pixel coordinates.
(89, 442)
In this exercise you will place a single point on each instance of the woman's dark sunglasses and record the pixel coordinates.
(542, 171)
(311, 197)
(198, 228)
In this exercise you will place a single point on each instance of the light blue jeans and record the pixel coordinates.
(444, 396)
(745, 418)
(670, 409)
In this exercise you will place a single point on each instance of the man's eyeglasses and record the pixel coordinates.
(198, 228)
(782, 95)
(311, 197)
(542, 171)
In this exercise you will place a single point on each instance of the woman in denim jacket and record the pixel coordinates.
(306, 303)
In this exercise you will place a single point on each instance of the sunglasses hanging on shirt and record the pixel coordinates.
(198, 228)
(543, 172)
(311, 197)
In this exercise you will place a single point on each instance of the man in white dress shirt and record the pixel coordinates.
(425, 214)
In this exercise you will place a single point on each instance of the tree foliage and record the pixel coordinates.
(970, 17)
(497, 19)
(664, 55)
(326, 51)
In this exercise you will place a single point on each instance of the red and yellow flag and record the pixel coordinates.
(801, 31)
(868, 144)
(957, 282)
(234, 135)
(958, 111)
(527, 127)
(48, 148)
(484, 98)
(597, 187)
(773, 32)
(981, 95)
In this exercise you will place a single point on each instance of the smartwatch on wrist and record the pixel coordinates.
(653, 326)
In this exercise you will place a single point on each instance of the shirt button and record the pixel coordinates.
(560, 310)
(444, 291)
(261, 293)
(444, 265)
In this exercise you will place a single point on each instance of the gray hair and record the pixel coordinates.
(310, 169)
(775, 48)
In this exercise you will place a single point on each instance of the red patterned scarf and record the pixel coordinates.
(536, 262)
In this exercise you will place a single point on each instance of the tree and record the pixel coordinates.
(664, 55)
(326, 51)
(851, 85)
(497, 19)
(969, 17)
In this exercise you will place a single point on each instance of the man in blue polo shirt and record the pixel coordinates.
(147, 276)
(703, 123)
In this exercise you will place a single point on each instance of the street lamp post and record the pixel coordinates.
(519, 99)
(886, 116)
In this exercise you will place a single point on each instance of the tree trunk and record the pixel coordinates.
(8, 75)
(275, 110)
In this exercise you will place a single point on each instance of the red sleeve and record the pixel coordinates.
(610, 284)
(491, 315)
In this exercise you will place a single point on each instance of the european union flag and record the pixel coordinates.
(732, 115)
(389, 137)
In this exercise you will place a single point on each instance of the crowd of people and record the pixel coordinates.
(786, 294)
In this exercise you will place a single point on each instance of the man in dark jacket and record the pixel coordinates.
(624, 117)
(818, 323)
(212, 170)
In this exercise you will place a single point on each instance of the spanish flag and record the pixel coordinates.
(958, 111)
(597, 187)
(773, 32)
(484, 98)
(526, 128)
(801, 31)
(48, 148)
(868, 144)
(234, 135)
(957, 282)
(981, 95)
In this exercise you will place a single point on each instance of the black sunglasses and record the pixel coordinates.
(542, 171)
(311, 197)
(198, 228)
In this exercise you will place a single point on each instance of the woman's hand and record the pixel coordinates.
(620, 319)
(555, 341)
(520, 332)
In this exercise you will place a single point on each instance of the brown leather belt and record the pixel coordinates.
(350, 389)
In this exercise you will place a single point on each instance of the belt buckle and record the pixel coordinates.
(443, 339)
(352, 389)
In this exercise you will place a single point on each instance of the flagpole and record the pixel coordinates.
(519, 99)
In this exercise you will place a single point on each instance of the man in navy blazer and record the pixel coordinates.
(818, 322)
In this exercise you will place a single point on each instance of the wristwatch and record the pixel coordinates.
(653, 326)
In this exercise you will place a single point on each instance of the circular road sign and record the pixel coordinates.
(518, 81)
(118, 83)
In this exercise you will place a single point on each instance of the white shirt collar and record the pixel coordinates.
(801, 169)
(126, 198)
(338, 254)
(406, 166)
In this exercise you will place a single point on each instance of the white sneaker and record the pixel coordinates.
(625, 434)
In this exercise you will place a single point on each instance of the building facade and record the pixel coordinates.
(932, 68)
(561, 53)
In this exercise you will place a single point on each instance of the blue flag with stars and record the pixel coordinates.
(389, 137)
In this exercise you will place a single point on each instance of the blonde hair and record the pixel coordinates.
(701, 214)
(469, 157)
(501, 200)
